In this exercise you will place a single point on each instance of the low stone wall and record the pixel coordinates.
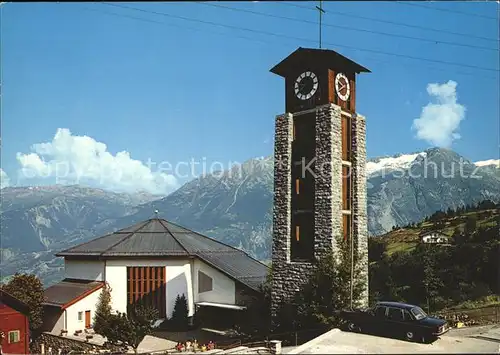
(470, 317)
(51, 343)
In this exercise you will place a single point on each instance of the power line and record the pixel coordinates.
(393, 22)
(347, 27)
(302, 39)
(447, 10)
(273, 43)
(173, 25)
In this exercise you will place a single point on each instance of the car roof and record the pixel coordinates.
(397, 304)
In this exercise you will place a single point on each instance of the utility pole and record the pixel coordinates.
(321, 12)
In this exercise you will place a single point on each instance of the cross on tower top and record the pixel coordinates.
(321, 12)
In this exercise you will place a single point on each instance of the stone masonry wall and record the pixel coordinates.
(360, 218)
(54, 343)
(328, 183)
(282, 209)
(289, 277)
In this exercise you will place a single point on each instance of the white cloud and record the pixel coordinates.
(440, 120)
(4, 179)
(81, 159)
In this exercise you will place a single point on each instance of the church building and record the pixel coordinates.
(151, 263)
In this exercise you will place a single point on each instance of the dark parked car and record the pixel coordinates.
(397, 320)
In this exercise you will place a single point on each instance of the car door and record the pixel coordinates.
(395, 322)
(377, 322)
(410, 324)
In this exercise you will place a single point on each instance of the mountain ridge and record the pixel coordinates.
(233, 206)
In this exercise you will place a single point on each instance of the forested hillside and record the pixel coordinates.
(467, 270)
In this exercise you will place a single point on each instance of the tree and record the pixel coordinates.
(329, 290)
(437, 216)
(470, 224)
(458, 236)
(486, 205)
(431, 281)
(259, 310)
(180, 314)
(376, 248)
(103, 310)
(29, 289)
(123, 330)
(380, 281)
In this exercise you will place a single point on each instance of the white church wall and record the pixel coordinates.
(223, 287)
(84, 269)
(178, 281)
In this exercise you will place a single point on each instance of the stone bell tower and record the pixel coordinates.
(319, 169)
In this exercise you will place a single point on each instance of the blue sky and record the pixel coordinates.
(169, 89)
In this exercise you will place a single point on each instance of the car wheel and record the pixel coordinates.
(410, 336)
(353, 327)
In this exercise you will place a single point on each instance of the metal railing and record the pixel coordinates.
(291, 338)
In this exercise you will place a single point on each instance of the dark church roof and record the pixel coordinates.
(70, 291)
(160, 238)
(328, 57)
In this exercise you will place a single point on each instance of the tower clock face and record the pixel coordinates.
(342, 87)
(306, 85)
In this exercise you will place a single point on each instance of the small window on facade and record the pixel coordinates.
(80, 316)
(346, 138)
(204, 282)
(346, 226)
(346, 187)
(302, 238)
(14, 336)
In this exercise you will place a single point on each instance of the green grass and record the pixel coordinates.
(487, 301)
(400, 246)
(405, 239)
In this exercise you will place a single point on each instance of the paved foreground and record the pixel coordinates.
(486, 340)
(154, 344)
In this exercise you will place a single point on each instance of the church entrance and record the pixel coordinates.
(146, 286)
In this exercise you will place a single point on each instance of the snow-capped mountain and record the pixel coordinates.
(405, 161)
(397, 162)
(233, 206)
(490, 162)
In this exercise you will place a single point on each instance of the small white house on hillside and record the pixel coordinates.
(151, 263)
(433, 237)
